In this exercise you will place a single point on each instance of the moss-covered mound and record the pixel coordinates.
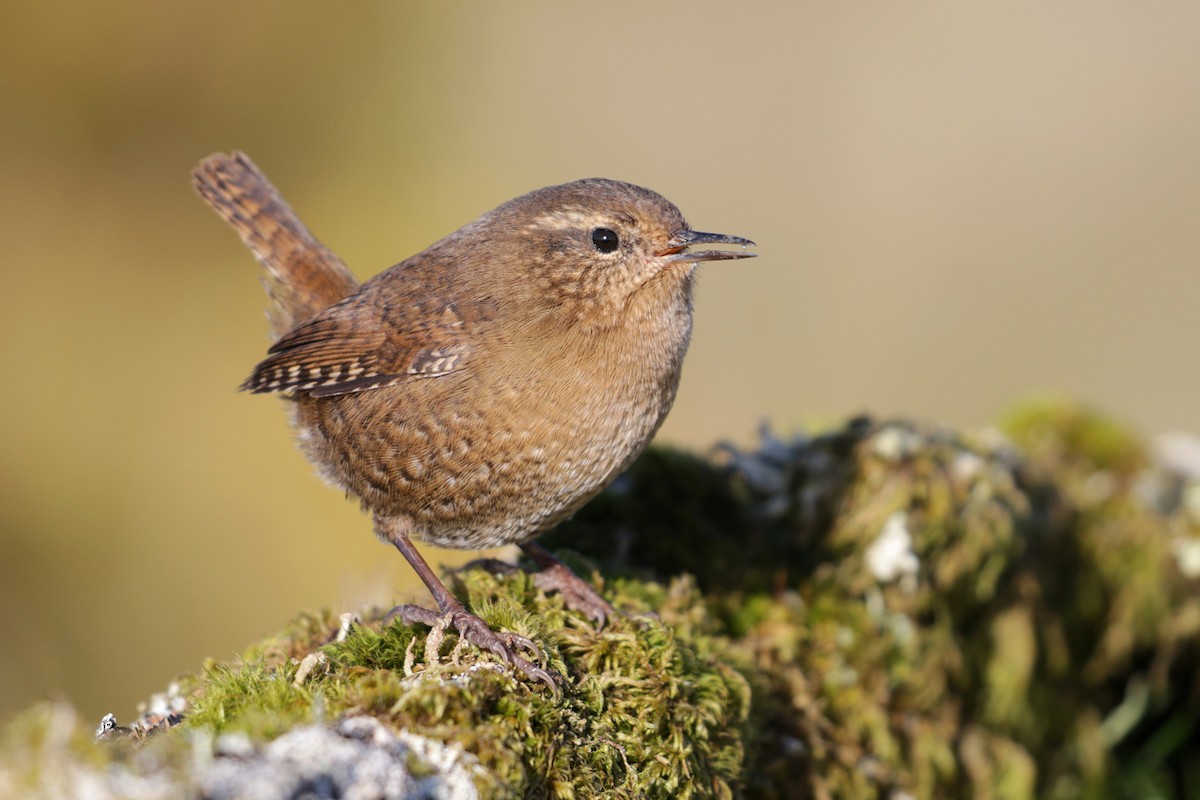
(879, 611)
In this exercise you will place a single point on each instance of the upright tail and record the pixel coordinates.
(301, 275)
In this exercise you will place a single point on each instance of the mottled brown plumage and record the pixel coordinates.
(482, 390)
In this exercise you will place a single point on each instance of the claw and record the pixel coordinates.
(469, 627)
(577, 594)
(477, 632)
(512, 640)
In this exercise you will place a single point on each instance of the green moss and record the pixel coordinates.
(1044, 585)
(1061, 434)
(884, 608)
(644, 712)
(250, 696)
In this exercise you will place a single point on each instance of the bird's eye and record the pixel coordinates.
(605, 240)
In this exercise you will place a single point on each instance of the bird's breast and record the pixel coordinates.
(506, 447)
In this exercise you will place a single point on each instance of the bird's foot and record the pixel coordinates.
(476, 631)
(578, 595)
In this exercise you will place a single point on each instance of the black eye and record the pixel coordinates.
(605, 240)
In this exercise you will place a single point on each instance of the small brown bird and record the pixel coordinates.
(481, 391)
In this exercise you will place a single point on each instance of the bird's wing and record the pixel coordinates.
(367, 341)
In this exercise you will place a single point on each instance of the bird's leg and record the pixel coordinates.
(469, 626)
(578, 594)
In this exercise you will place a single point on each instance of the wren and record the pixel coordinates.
(482, 390)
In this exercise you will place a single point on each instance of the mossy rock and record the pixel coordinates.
(886, 610)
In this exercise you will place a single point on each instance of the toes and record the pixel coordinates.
(479, 634)
(501, 643)
(550, 679)
(409, 614)
(475, 631)
(577, 594)
(512, 640)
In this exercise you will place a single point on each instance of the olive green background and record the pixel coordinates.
(956, 205)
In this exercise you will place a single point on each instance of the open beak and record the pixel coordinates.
(682, 240)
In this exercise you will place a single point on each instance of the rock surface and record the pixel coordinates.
(886, 610)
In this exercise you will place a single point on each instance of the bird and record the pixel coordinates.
(481, 391)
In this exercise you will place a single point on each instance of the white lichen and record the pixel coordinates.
(890, 557)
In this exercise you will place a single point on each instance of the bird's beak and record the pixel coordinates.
(677, 250)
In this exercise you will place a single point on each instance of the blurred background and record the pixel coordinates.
(956, 206)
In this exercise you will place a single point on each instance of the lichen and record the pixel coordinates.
(883, 609)
(644, 712)
(1045, 643)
